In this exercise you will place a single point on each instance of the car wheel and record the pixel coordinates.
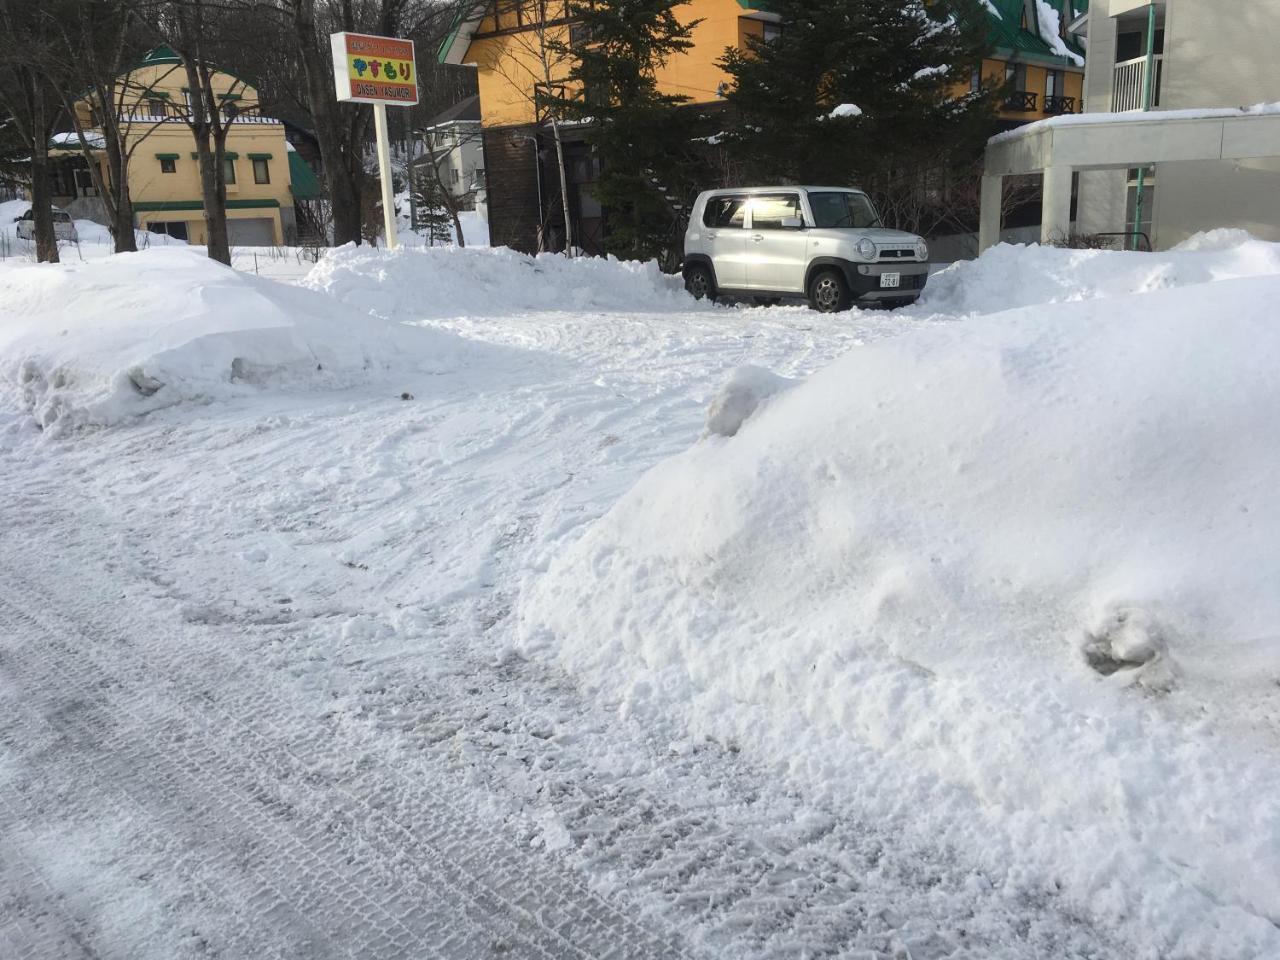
(699, 282)
(828, 292)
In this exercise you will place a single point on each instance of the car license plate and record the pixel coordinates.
(890, 279)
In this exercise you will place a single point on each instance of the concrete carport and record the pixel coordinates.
(1059, 147)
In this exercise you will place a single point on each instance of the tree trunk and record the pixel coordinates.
(121, 207)
(41, 191)
(215, 215)
(564, 188)
(342, 188)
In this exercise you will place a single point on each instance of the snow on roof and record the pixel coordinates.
(71, 140)
(1137, 116)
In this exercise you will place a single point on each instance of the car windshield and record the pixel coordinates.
(842, 209)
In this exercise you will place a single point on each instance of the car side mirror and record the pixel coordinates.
(792, 223)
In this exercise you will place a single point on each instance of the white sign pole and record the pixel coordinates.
(384, 173)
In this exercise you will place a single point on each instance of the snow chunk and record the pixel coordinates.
(746, 392)
(94, 343)
(846, 110)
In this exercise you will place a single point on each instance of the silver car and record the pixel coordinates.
(64, 227)
(825, 244)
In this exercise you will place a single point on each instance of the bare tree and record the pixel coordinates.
(343, 130)
(535, 62)
(26, 43)
(103, 99)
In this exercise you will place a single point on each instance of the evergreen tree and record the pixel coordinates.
(643, 139)
(862, 92)
(431, 216)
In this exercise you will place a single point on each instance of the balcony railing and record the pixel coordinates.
(1057, 105)
(1130, 84)
(1022, 101)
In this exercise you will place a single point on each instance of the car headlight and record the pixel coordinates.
(866, 249)
(922, 250)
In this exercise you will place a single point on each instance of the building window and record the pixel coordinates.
(1054, 83)
(230, 110)
(158, 108)
(168, 165)
(975, 80)
(772, 31)
(228, 170)
(261, 171)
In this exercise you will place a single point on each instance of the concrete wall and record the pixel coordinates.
(1215, 55)
(1221, 54)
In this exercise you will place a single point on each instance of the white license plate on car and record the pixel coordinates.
(890, 280)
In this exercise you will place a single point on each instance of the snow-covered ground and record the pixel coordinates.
(421, 609)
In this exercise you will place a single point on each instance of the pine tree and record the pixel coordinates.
(431, 216)
(643, 138)
(861, 92)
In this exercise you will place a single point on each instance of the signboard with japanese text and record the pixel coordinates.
(370, 69)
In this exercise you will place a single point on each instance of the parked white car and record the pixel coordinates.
(64, 227)
(825, 244)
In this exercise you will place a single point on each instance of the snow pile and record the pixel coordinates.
(96, 342)
(445, 282)
(1010, 275)
(1009, 583)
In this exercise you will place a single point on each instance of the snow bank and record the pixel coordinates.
(96, 342)
(444, 282)
(1012, 275)
(1010, 584)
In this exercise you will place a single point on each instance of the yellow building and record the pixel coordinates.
(164, 175)
(509, 42)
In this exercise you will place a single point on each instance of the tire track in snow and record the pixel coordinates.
(527, 908)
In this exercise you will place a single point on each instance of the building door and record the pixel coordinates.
(255, 232)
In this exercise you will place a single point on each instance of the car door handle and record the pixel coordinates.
(758, 237)
(710, 234)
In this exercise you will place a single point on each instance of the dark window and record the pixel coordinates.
(229, 170)
(1016, 74)
(261, 170)
(168, 165)
(772, 31)
(173, 228)
(1132, 44)
(158, 108)
(1054, 83)
(768, 212)
(975, 80)
(725, 212)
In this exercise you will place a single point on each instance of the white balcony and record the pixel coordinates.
(1130, 84)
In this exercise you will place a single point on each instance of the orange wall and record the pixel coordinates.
(510, 63)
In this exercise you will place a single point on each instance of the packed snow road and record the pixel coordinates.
(264, 670)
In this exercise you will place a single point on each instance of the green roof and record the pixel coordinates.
(1007, 34)
(302, 179)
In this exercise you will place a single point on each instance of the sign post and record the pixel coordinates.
(380, 71)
